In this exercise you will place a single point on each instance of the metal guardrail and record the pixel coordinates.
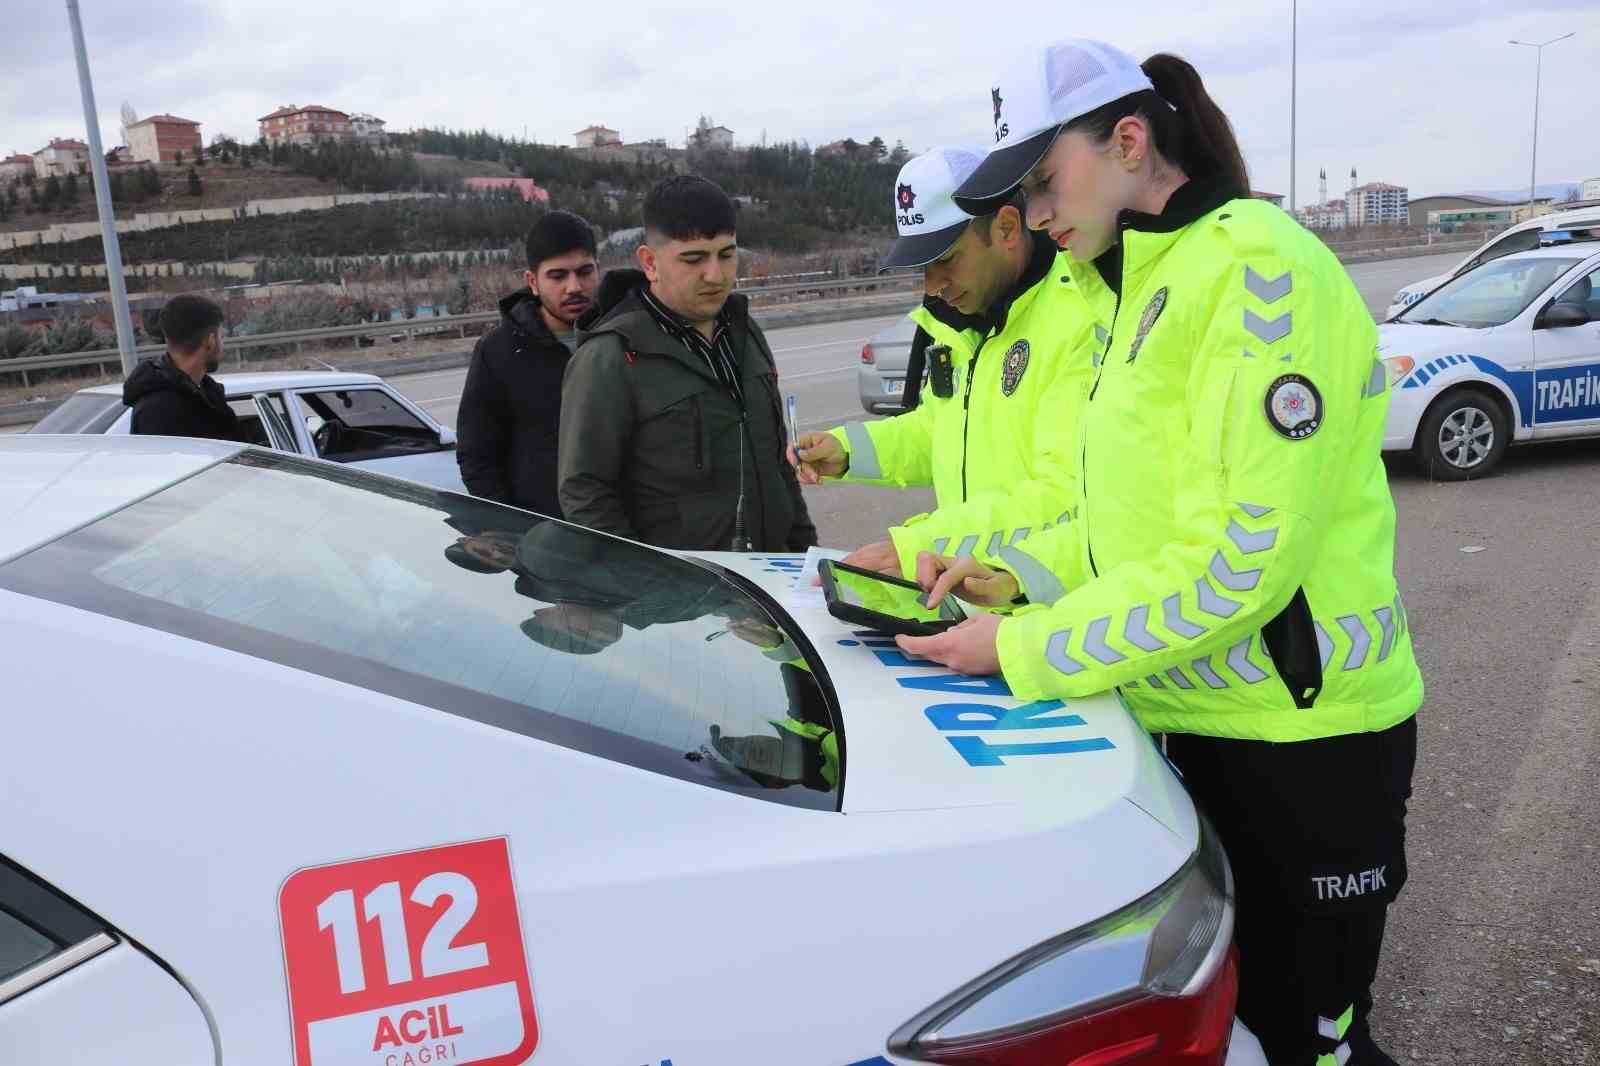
(237, 346)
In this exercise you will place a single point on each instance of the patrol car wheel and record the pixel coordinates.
(1464, 435)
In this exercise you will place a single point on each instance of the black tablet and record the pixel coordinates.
(889, 604)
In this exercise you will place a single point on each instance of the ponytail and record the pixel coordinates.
(1186, 125)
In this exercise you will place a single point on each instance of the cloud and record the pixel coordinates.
(1428, 96)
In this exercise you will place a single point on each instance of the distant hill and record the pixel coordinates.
(1559, 190)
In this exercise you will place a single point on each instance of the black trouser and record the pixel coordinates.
(1315, 833)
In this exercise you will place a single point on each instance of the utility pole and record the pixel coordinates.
(1538, 70)
(1294, 88)
(102, 200)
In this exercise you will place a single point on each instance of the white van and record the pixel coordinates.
(1522, 237)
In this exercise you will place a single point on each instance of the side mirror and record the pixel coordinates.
(1561, 315)
(447, 437)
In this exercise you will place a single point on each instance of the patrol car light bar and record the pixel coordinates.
(1153, 982)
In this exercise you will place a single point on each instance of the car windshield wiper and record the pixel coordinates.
(1441, 322)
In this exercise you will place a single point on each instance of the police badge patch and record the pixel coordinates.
(1015, 365)
(1152, 311)
(1294, 406)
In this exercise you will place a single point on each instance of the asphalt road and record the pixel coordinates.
(1493, 953)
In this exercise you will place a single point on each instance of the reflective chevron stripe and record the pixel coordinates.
(1154, 681)
(1324, 644)
(1179, 679)
(1094, 642)
(1377, 381)
(1249, 543)
(1229, 578)
(1136, 630)
(1269, 331)
(1208, 675)
(1172, 617)
(1055, 653)
(968, 545)
(1266, 291)
(940, 544)
(1036, 578)
(1385, 617)
(1209, 601)
(1239, 662)
(863, 453)
(1254, 511)
(1360, 641)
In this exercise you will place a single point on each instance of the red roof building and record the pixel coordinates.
(164, 139)
(306, 125)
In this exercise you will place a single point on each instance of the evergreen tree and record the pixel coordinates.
(194, 183)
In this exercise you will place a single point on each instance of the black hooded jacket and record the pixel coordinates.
(510, 415)
(167, 402)
(653, 447)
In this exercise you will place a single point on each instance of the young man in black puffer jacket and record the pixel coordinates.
(510, 414)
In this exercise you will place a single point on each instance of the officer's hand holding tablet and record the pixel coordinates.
(887, 604)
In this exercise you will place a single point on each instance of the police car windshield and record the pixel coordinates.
(530, 625)
(1490, 295)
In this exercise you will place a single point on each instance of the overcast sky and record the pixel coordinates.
(1425, 95)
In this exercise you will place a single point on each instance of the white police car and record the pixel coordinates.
(1507, 352)
(309, 765)
(1522, 237)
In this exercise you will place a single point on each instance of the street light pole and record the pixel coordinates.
(102, 200)
(1294, 88)
(1538, 71)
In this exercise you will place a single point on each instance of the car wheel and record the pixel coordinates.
(1464, 435)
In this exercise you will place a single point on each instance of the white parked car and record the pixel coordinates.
(309, 766)
(1519, 238)
(358, 419)
(1509, 352)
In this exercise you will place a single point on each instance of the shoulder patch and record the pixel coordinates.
(1152, 312)
(1014, 366)
(1294, 406)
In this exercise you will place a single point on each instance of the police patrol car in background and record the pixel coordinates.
(1506, 352)
(1519, 238)
(318, 766)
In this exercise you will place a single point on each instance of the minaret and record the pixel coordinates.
(1322, 188)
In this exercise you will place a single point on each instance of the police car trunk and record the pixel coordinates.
(1068, 789)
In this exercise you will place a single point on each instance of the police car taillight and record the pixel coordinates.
(866, 354)
(1155, 982)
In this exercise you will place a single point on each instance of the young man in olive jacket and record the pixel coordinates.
(672, 432)
(510, 414)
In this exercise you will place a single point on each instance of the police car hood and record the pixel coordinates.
(1411, 338)
(919, 737)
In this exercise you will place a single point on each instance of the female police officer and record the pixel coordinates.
(1230, 567)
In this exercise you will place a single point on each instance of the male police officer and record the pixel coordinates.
(1014, 346)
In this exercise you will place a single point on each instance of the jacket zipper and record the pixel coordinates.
(966, 417)
(1105, 360)
(699, 436)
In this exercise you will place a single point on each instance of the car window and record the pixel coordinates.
(348, 425)
(1520, 241)
(86, 412)
(251, 430)
(1584, 293)
(527, 624)
(41, 932)
(1492, 295)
